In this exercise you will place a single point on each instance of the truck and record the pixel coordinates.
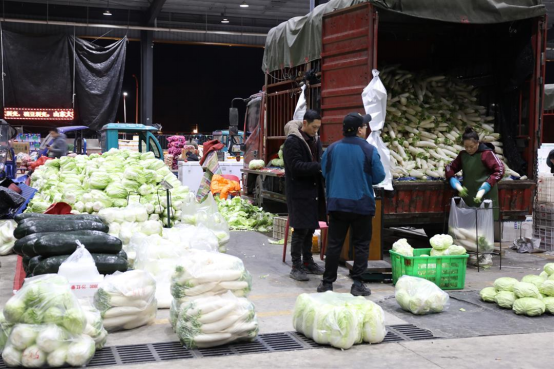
(332, 52)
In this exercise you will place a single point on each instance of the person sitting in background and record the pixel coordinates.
(59, 146)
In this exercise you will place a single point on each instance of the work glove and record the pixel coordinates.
(462, 191)
(485, 187)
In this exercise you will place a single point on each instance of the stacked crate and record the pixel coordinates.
(543, 213)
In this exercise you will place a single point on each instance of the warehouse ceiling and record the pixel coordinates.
(235, 23)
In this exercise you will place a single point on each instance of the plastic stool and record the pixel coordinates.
(322, 226)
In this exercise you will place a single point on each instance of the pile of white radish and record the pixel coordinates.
(203, 273)
(127, 300)
(216, 320)
(468, 238)
(426, 116)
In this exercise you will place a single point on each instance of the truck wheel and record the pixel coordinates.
(258, 191)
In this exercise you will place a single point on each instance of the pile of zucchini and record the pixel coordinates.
(46, 241)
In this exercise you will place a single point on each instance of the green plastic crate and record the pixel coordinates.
(447, 272)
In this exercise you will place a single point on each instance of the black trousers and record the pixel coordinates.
(301, 245)
(360, 231)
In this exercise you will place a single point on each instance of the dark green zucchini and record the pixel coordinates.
(106, 264)
(38, 226)
(53, 244)
(25, 263)
(33, 264)
(28, 249)
(31, 239)
(122, 254)
(21, 217)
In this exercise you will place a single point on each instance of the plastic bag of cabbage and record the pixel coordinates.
(420, 296)
(95, 325)
(7, 240)
(339, 319)
(48, 326)
(94, 182)
(216, 320)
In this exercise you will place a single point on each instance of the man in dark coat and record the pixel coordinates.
(304, 188)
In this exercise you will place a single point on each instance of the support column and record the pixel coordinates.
(147, 77)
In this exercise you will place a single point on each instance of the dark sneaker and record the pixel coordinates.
(359, 289)
(299, 274)
(324, 287)
(311, 267)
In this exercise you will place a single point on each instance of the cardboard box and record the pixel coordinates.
(21, 147)
(512, 231)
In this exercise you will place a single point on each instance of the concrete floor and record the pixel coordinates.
(274, 295)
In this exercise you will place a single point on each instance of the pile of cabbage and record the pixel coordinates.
(44, 325)
(426, 116)
(243, 216)
(90, 183)
(443, 245)
(339, 319)
(420, 296)
(7, 239)
(532, 296)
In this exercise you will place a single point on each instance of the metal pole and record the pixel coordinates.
(124, 110)
(137, 100)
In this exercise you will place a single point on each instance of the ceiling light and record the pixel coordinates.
(225, 20)
(244, 5)
(107, 12)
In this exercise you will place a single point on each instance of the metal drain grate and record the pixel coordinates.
(264, 343)
(410, 332)
(392, 337)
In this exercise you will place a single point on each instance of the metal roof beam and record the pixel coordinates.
(154, 11)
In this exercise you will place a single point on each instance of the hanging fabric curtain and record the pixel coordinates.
(98, 80)
(37, 71)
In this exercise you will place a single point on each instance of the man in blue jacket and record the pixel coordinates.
(351, 167)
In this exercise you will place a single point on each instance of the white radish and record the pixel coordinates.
(121, 311)
(217, 314)
(203, 288)
(220, 325)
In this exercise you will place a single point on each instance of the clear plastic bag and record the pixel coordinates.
(217, 224)
(5, 330)
(420, 296)
(189, 209)
(159, 256)
(43, 315)
(201, 272)
(462, 224)
(216, 320)
(339, 320)
(7, 239)
(48, 346)
(46, 299)
(80, 267)
(95, 325)
(127, 300)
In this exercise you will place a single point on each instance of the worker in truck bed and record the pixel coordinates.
(304, 191)
(351, 167)
(481, 168)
